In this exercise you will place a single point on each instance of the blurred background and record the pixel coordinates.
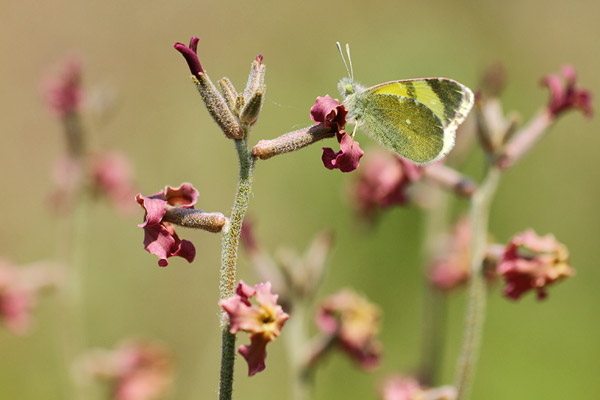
(530, 350)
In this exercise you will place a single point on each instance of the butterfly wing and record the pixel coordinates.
(416, 118)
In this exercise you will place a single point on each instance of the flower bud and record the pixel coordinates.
(256, 79)
(217, 107)
(229, 93)
(249, 113)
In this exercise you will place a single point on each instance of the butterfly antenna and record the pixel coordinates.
(349, 62)
(339, 46)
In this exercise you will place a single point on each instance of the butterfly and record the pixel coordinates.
(416, 118)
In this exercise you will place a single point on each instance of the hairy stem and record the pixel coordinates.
(476, 300)
(231, 239)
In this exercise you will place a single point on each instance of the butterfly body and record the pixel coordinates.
(416, 118)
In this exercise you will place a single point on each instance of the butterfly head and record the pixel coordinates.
(346, 86)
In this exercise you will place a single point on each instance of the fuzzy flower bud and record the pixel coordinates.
(262, 321)
(532, 262)
(215, 104)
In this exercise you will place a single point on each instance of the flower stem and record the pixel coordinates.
(231, 239)
(434, 303)
(296, 341)
(476, 300)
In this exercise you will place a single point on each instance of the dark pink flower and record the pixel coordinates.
(353, 322)
(383, 181)
(399, 387)
(347, 159)
(136, 370)
(111, 175)
(159, 236)
(452, 268)
(262, 321)
(190, 53)
(532, 262)
(567, 96)
(63, 93)
(329, 112)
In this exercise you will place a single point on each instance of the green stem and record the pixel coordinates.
(476, 300)
(434, 303)
(231, 238)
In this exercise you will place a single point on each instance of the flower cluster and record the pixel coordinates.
(262, 321)
(329, 112)
(135, 370)
(352, 322)
(159, 236)
(531, 262)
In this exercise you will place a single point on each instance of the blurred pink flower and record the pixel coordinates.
(262, 321)
(353, 322)
(159, 236)
(383, 182)
(111, 176)
(136, 370)
(532, 262)
(19, 288)
(398, 387)
(567, 96)
(63, 92)
(452, 268)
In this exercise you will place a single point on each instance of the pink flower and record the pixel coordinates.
(452, 268)
(63, 93)
(111, 175)
(19, 288)
(383, 181)
(353, 323)
(262, 321)
(329, 112)
(398, 387)
(136, 370)
(531, 262)
(567, 96)
(159, 236)
(347, 159)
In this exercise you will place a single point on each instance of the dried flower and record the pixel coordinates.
(383, 181)
(353, 323)
(262, 321)
(159, 236)
(135, 370)
(567, 96)
(398, 387)
(532, 262)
